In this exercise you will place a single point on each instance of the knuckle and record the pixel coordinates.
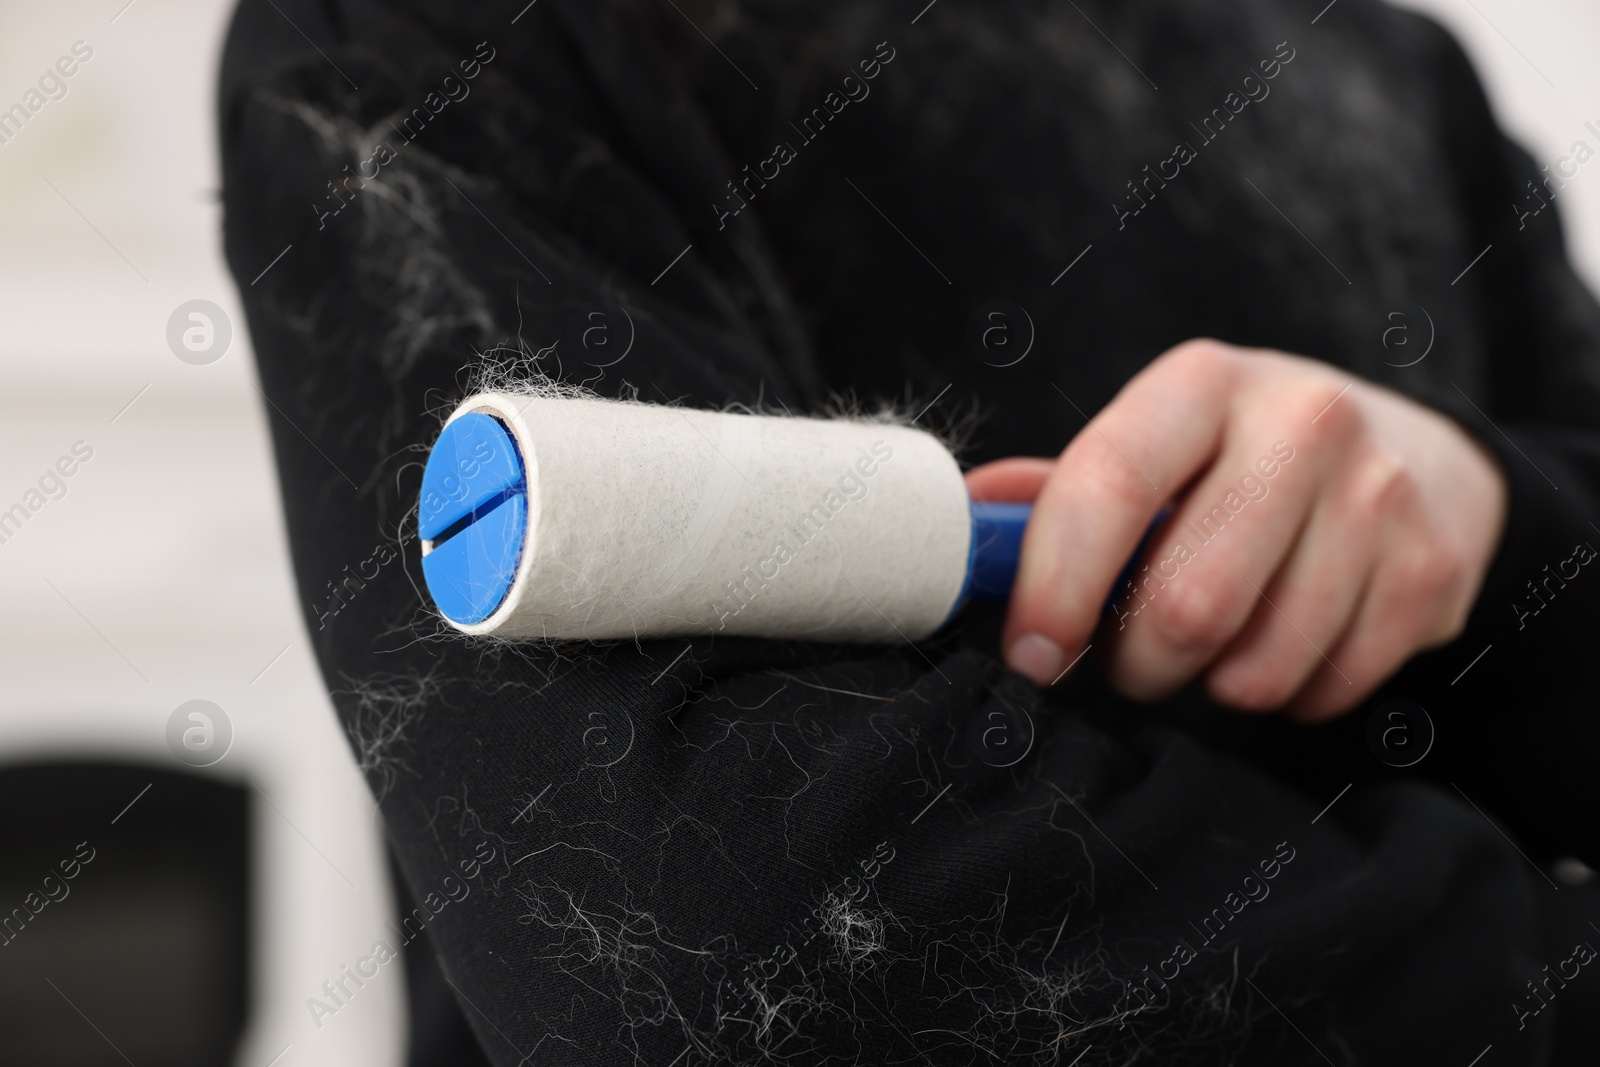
(1426, 591)
(1327, 415)
(1397, 485)
(1194, 614)
(1446, 569)
(1106, 475)
(1430, 572)
(1201, 357)
(1443, 580)
(1383, 485)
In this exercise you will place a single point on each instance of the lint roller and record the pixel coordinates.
(565, 517)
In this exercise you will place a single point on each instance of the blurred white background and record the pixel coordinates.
(169, 541)
(162, 576)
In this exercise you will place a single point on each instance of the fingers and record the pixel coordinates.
(1319, 541)
(1441, 511)
(1311, 602)
(1009, 481)
(1207, 570)
(1203, 581)
(1400, 612)
(1159, 432)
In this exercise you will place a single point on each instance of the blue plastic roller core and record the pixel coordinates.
(473, 517)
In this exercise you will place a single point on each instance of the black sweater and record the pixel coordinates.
(740, 851)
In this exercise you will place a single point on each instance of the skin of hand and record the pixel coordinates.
(1367, 545)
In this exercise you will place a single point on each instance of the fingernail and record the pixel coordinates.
(1036, 656)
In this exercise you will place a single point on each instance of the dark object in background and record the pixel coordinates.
(143, 930)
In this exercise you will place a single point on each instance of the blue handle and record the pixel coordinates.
(997, 546)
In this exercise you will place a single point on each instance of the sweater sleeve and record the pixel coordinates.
(737, 850)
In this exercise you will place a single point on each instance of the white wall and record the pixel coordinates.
(169, 541)
(1538, 60)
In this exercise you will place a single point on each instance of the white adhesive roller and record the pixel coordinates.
(564, 517)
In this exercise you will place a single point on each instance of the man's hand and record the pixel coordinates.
(1323, 531)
